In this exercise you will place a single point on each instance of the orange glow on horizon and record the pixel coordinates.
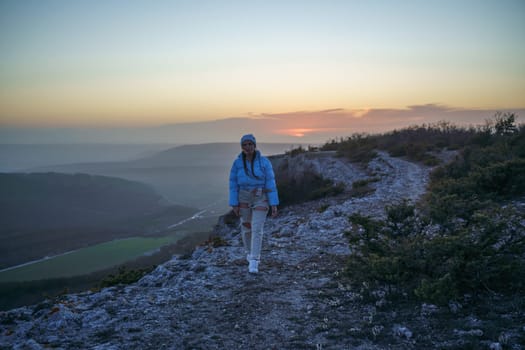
(295, 132)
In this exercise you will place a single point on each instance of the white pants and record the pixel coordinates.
(252, 220)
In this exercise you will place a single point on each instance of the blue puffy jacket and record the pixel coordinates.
(244, 179)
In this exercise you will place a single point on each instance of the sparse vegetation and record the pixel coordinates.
(361, 188)
(359, 148)
(484, 174)
(309, 187)
(323, 208)
(416, 143)
(403, 253)
(460, 239)
(125, 276)
(296, 151)
(216, 242)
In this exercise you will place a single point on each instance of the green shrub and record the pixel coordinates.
(124, 276)
(216, 242)
(362, 188)
(364, 183)
(296, 151)
(401, 218)
(480, 177)
(370, 226)
(328, 188)
(380, 255)
(504, 123)
(415, 143)
(485, 255)
(359, 148)
(309, 187)
(323, 208)
(505, 179)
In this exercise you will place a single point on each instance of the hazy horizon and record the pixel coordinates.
(303, 127)
(42, 157)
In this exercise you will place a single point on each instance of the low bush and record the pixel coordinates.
(216, 242)
(309, 187)
(124, 276)
(296, 151)
(480, 177)
(362, 188)
(416, 143)
(359, 148)
(323, 208)
(399, 252)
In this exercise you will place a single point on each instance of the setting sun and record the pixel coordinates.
(297, 132)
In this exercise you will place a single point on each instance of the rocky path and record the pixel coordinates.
(210, 301)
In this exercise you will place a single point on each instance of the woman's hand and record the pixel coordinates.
(236, 210)
(274, 211)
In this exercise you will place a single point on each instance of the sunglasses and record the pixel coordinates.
(246, 144)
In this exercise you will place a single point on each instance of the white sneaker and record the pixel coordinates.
(254, 266)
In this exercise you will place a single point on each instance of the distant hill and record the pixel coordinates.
(191, 175)
(63, 201)
(47, 213)
(16, 158)
(206, 154)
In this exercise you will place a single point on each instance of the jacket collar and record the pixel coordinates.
(257, 155)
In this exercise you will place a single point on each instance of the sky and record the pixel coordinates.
(316, 67)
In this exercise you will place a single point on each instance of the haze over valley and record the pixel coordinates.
(189, 175)
(60, 203)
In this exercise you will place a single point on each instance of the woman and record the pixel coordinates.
(252, 192)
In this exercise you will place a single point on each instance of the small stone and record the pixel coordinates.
(428, 309)
(454, 306)
(402, 332)
(376, 330)
(495, 346)
(504, 338)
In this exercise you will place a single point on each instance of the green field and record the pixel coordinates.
(87, 260)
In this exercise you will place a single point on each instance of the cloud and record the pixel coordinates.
(300, 127)
(341, 122)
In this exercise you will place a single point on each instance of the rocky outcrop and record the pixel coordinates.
(209, 300)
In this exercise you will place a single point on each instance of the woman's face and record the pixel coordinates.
(248, 148)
